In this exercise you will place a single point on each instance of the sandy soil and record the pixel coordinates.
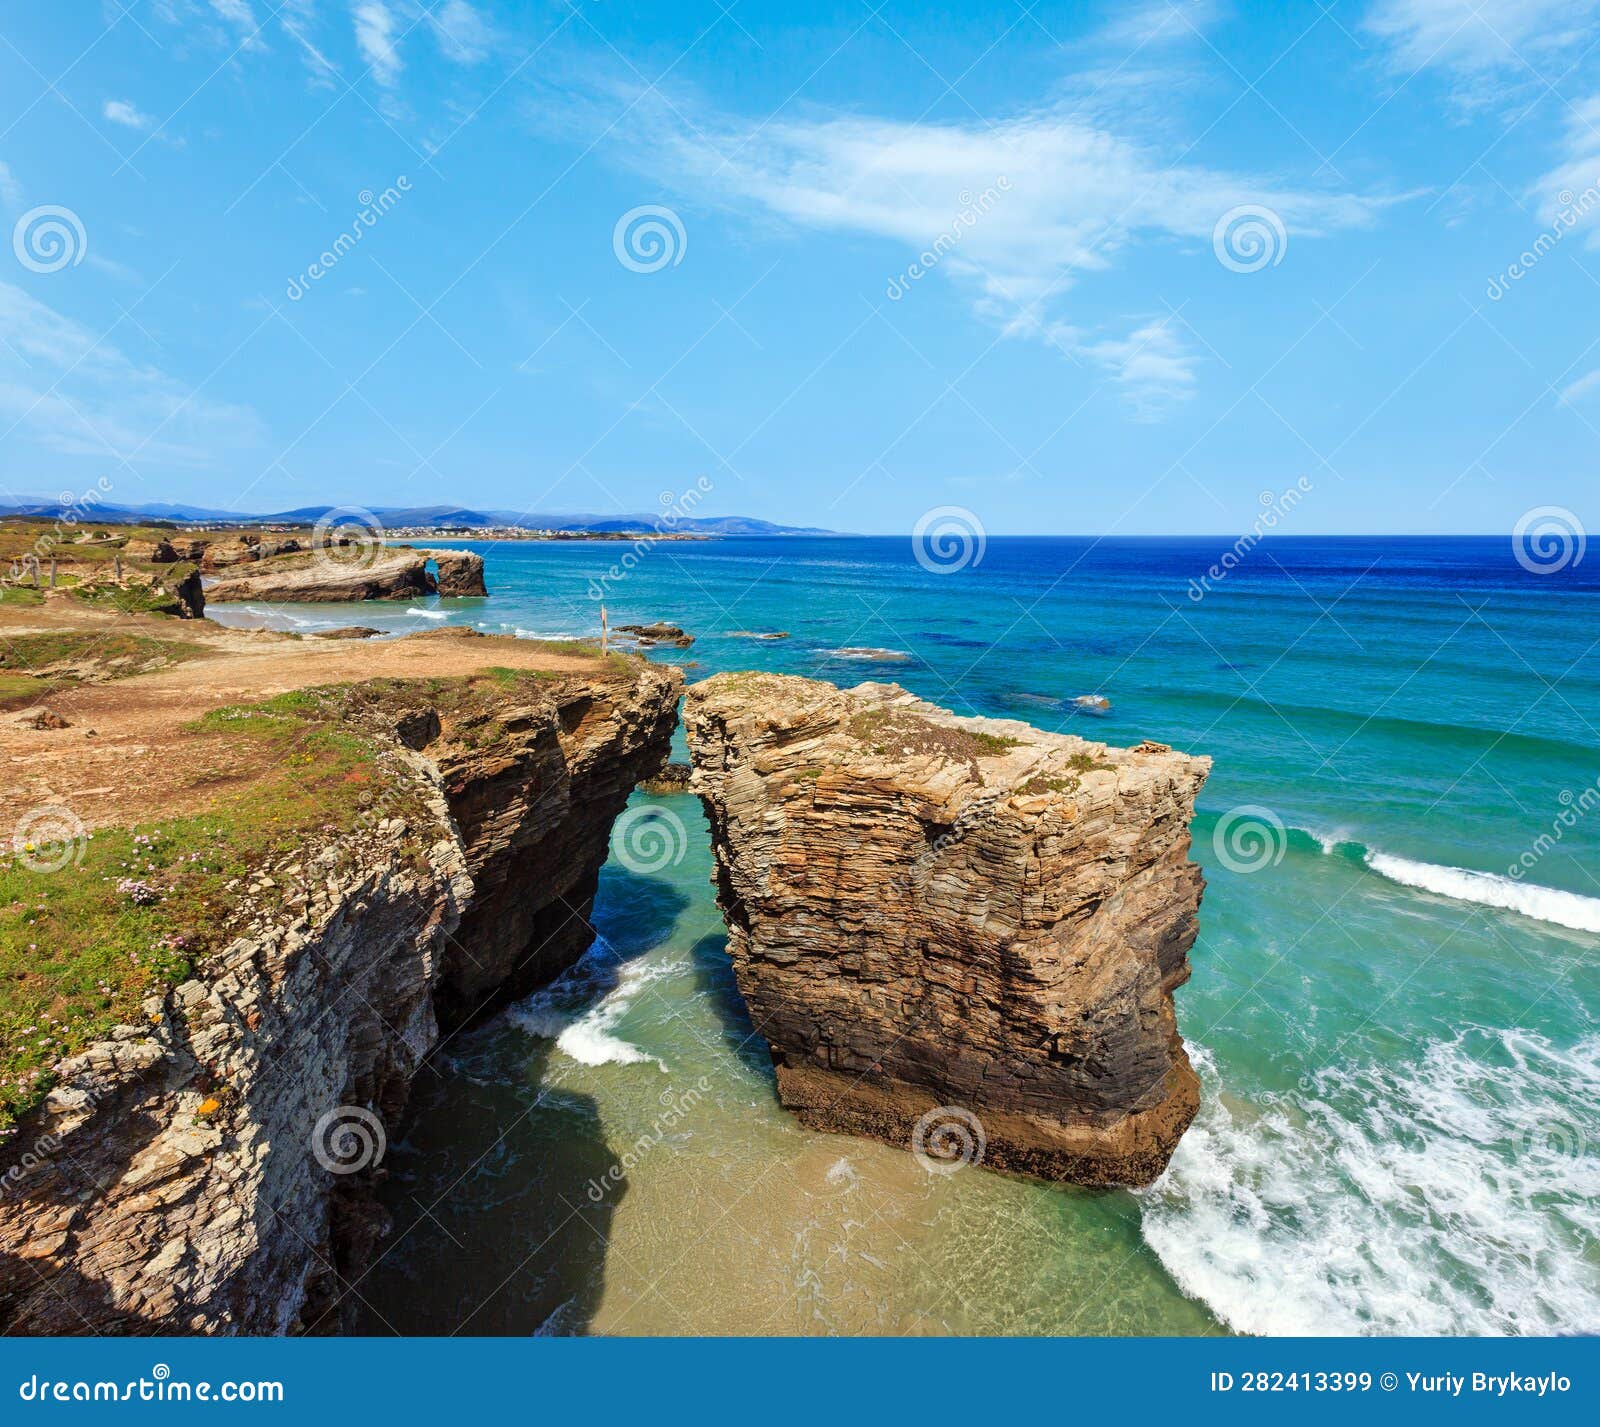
(127, 755)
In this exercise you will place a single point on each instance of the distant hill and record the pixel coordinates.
(435, 515)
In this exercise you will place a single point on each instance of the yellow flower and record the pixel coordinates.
(209, 1107)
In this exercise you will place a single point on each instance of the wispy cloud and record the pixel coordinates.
(1572, 188)
(461, 32)
(1076, 197)
(10, 189)
(78, 394)
(376, 39)
(1152, 367)
(1472, 36)
(121, 111)
(1586, 385)
(1159, 22)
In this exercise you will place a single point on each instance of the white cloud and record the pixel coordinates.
(1569, 195)
(1151, 366)
(1474, 38)
(1159, 22)
(10, 189)
(77, 394)
(1587, 383)
(298, 19)
(376, 40)
(1062, 200)
(236, 12)
(461, 32)
(121, 111)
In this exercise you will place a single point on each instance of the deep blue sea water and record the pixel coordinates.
(1393, 1003)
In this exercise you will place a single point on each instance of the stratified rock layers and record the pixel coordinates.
(927, 912)
(210, 1171)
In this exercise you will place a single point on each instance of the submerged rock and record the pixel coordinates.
(670, 778)
(647, 636)
(958, 935)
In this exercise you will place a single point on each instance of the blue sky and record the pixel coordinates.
(1096, 347)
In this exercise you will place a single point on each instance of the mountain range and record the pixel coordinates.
(397, 516)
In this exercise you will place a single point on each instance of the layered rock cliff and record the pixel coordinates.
(957, 935)
(343, 573)
(210, 1169)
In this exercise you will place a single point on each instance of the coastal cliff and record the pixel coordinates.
(957, 935)
(208, 1165)
(289, 573)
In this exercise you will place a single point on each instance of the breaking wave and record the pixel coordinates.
(1454, 1195)
(580, 1010)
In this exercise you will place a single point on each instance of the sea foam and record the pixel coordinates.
(1488, 889)
(1450, 1195)
(580, 1010)
(1461, 884)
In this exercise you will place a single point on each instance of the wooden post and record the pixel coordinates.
(52, 572)
(33, 564)
(116, 568)
(604, 631)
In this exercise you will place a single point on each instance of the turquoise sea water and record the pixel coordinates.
(1393, 1004)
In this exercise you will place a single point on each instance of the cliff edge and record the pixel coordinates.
(958, 935)
(254, 934)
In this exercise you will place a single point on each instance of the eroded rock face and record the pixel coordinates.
(341, 572)
(183, 1176)
(171, 1183)
(928, 913)
(535, 804)
(323, 577)
(460, 573)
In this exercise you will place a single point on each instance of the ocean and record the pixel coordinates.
(1393, 1006)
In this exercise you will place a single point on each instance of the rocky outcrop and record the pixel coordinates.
(344, 572)
(172, 1183)
(460, 573)
(535, 804)
(323, 577)
(211, 1169)
(956, 934)
(648, 636)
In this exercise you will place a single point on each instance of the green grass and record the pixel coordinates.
(993, 744)
(19, 690)
(81, 947)
(20, 652)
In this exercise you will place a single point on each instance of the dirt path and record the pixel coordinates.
(127, 755)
